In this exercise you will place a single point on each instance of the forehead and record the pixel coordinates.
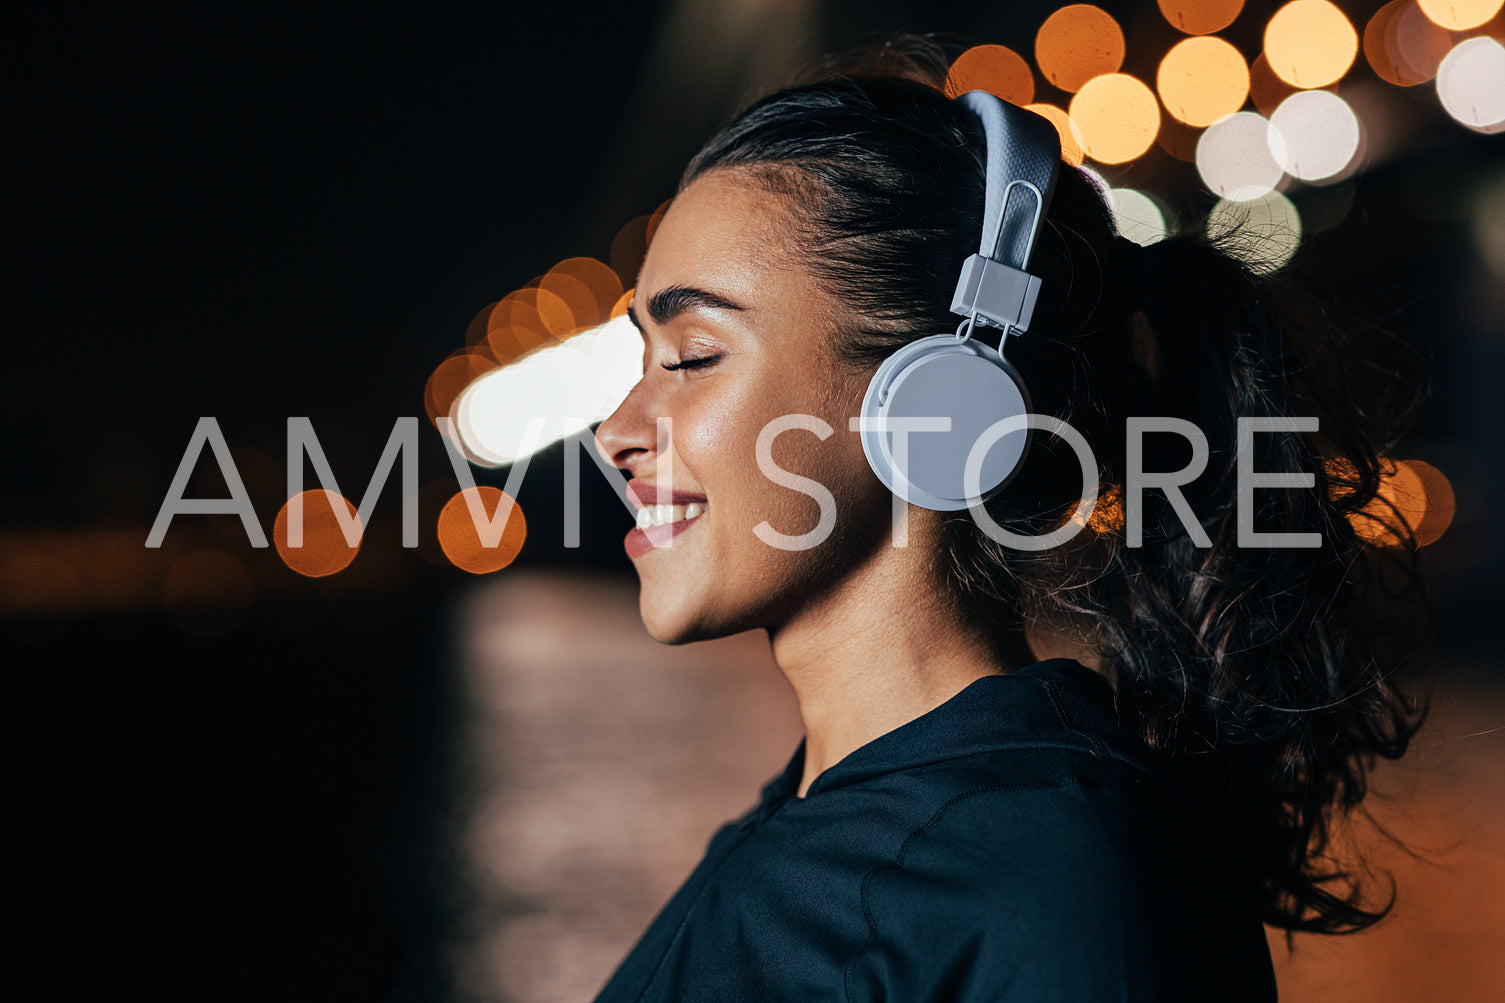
(728, 233)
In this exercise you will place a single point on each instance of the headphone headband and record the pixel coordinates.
(1023, 151)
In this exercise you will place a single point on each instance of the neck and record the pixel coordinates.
(879, 651)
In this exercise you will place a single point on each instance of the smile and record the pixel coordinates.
(663, 515)
(658, 525)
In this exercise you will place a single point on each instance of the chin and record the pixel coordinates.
(674, 623)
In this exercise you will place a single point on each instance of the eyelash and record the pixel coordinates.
(699, 363)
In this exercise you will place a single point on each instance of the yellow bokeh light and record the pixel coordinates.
(1460, 15)
(1077, 43)
(1310, 43)
(1118, 117)
(1071, 136)
(1202, 79)
(996, 69)
(1200, 17)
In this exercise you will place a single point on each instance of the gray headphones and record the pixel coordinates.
(952, 391)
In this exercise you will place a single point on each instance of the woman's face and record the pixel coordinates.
(737, 335)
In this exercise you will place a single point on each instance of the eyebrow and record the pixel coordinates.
(670, 302)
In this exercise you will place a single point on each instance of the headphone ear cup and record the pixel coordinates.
(971, 388)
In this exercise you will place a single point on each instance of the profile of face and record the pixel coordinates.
(737, 334)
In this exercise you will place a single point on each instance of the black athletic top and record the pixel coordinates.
(1015, 843)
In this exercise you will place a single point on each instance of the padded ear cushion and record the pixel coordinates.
(965, 382)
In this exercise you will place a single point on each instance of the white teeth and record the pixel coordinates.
(663, 515)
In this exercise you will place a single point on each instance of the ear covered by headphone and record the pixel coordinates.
(937, 399)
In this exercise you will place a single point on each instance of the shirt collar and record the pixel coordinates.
(1058, 703)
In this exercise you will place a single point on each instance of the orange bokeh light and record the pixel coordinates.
(1077, 43)
(654, 220)
(526, 319)
(596, 276)
(1202, 79)
(1403, 46)
(996, 69)
(1441, 502)
(1397, 512)
(1118, 117)
(1267, 90)
(1460, 15)
(1310, 43)
(451, 377)
(1178, 139)
(619, 308)
(1199, 17)
(460, 537)
(1071, 136)
(325, 549)
(628, 248)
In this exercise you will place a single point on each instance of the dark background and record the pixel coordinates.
(272, 210)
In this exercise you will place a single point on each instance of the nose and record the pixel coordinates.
(628, 438)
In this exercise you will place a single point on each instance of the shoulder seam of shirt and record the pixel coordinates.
(1099, 747)
(898, 862)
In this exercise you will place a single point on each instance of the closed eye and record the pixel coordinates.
(700, 363)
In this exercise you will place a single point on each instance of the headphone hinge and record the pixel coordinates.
(996, 294)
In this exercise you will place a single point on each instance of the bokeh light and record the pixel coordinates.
(1262, 232)
(1178, 139)
(597, 276)
(460, 535)
(1066, 129)
(1267, 90)
(1077, 43)
(1314, 135)
(1202, 79)
(449, 379)
(1471, 84)
(1234, 158)
(1441, 502)
(1118, 117)
(1310, 43)
(628, 248)
(996, 69)
(1200, 17)
(1460, 15)
(325, 549)
(568, 386)
(619, 308)
(1392, 516)
(1137, 215)
(1403, 46)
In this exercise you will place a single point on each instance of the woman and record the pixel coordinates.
(1086, 772)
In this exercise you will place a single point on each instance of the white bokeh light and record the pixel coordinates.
(571, 386)
(1471, 84)
(1314, 135)
(1138, 217)
(1234, 159)
(1262, 232)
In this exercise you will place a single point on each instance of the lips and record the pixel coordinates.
(661, 516)
(643, 494)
